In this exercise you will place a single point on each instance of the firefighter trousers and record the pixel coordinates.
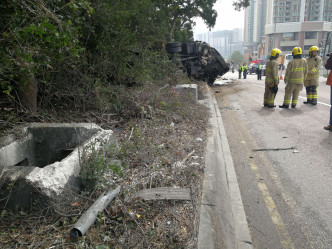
(292, 91)
(311, 87)
(269, 96)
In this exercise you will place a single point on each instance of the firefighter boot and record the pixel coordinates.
(283, 106)
(309, 95)
(293, 106)
(314, 95)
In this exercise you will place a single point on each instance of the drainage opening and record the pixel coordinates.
(45, 145)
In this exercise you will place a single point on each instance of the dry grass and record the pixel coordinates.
(162, 142)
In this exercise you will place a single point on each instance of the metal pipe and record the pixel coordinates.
(88, 218)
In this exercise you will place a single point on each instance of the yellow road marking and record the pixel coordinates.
(284, 193)
(285, 239)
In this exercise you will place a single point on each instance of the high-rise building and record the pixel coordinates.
(285, 24)
(302, 10)
(254, 25)
(225, 41)
(302, 23)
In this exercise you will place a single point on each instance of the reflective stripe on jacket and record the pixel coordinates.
(314, 65)
(272, 76)
(296, 71)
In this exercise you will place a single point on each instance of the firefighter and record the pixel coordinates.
(312, 81)
(259, 71)
(296, 74)
(245, 70)
(240, 69)
(271, 79)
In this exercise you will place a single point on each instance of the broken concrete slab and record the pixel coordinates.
(47, 160)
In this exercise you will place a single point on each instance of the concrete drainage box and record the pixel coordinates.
(188, 90)
(45, 161)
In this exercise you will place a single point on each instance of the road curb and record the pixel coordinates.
(223, 222)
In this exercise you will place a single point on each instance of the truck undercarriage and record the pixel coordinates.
(199, 60)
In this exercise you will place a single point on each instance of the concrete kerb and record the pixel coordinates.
(223, 222)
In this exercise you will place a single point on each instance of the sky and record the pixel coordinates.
(228, 18)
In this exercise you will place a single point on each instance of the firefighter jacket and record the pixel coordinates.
(314, 64)
(296, 71)
(272, 77)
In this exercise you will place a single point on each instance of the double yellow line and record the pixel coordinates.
(285, 239)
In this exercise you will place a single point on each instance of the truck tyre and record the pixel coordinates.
(173, 45)
(174, 50)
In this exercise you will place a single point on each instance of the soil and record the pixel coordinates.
(164, 147)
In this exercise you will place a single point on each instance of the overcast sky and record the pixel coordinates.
(227, 19)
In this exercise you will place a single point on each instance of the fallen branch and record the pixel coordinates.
(131, 133)
(185, 159)
(275, 149)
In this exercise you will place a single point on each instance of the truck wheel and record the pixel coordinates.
(174, 50)
(173, 45)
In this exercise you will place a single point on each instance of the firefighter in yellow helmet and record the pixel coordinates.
(271, 79)
(296, 74)
(312, 81)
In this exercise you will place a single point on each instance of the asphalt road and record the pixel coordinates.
(286, 185)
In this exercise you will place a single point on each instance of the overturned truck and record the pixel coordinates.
(199, 60)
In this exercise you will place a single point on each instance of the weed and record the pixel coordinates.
(99, 167)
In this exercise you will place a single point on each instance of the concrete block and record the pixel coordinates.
(188, 90)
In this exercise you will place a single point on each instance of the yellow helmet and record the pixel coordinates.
(296, 51)
(275, 52)
(313, 48)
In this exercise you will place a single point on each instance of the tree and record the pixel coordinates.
(77, 45)
(238, 5)
(182, 12)
(237, 57)
(37, 36)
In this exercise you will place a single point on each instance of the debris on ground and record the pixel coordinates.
(160, 150)
(222, 81)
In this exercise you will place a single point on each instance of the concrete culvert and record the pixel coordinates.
(46, 160)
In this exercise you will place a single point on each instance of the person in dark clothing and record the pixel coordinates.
(328, 66)
(245, 70)
(259, 71)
